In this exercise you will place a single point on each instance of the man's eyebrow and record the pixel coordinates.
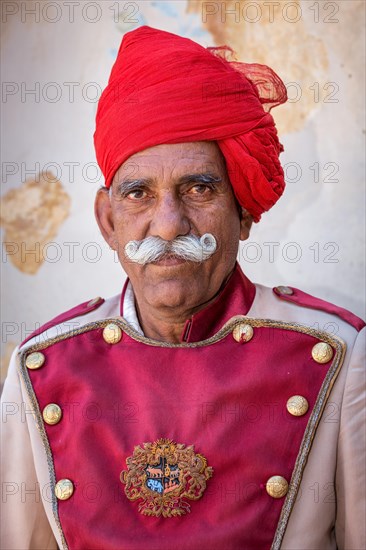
(126, 186)
(201, 177)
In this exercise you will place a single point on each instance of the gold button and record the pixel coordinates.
(277, 486)
(35, 360)
(64, 489)
(52, 414)
(94, 302)
(297, 405)
(243, 333)
(322, 352)
(285, 290)
(112, 334)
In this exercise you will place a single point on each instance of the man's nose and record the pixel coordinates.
(170, 219)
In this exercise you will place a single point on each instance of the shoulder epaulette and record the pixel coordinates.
(77, 311)
(296, 296)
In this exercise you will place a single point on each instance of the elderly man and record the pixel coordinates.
(196, 410)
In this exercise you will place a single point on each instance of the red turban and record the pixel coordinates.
(167, 89)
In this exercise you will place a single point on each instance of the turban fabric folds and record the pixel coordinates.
(167, 89)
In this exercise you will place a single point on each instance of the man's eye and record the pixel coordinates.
(137, 194)
(199, 189)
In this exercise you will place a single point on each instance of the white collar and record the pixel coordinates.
(129, 309)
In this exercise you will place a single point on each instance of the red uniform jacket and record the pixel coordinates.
(175, 445)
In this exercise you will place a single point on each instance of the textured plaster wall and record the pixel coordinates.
(52, 254)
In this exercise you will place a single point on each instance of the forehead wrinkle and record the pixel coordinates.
(151, 168)
(196, 161)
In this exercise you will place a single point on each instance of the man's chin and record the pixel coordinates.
(169, 291)
(169, 283)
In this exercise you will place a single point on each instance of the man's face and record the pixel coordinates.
(169, 191)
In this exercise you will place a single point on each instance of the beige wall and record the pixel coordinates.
(313, 238)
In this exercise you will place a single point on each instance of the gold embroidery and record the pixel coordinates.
(163, 474)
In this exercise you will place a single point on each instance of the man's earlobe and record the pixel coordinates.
(104, 216)
(246, 221)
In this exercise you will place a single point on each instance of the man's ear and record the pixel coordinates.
(246, 221)
(104, 216)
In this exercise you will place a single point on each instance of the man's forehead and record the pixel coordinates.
(202, 156)
(192, 150)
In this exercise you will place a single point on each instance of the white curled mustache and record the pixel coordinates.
(186, 247)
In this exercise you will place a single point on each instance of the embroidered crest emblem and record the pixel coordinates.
(164, 474)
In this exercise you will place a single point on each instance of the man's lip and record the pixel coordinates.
(169, 261)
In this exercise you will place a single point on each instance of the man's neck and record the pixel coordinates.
(161, 327)
(187, 324)
(166, 324)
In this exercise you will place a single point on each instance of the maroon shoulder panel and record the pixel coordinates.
(296, 296)
(81, 309)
